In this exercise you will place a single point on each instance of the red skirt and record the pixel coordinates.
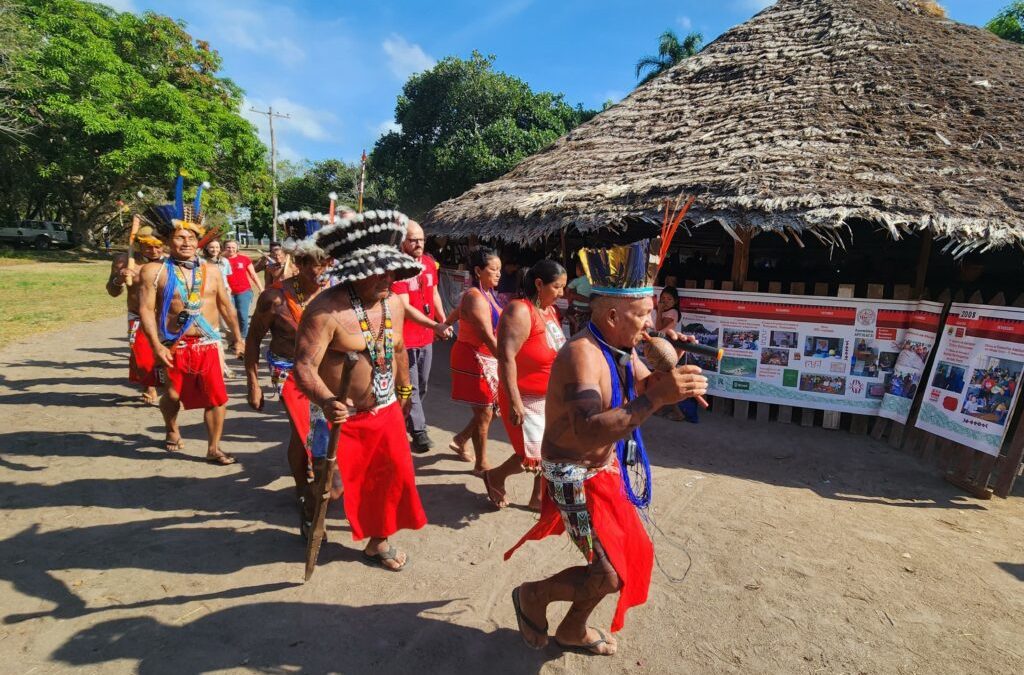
(142, 361)
(297, 406)
(474, 375)
(197, 375)
(376, 470)
(617, 526)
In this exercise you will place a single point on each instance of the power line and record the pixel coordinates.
(269, 112)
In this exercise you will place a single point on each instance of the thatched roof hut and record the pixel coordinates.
(813, 115)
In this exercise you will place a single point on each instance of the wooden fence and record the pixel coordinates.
(978, 473)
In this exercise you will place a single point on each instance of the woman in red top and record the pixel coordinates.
(529, 337)
(474, 368)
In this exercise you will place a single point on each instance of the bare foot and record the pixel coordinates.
(534, 631)
(150, 397)
(595, 641)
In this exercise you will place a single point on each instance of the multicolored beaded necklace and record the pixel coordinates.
(191, 295)
(383, 374)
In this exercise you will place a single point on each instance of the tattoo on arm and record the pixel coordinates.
(639, 407)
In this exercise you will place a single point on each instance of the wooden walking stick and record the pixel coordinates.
(323, 469)
(136, 223)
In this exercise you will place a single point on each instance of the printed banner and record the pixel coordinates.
(841, 354)
(973, 385)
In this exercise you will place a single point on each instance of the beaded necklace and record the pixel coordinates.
(380, 359)
(191, 295)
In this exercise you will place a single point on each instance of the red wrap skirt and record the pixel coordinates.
(141, 361)
(617, 527)
(297, 406)
(376, 470)
(197, 376)
(474, 375)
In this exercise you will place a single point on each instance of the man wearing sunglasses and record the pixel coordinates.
(424, 322)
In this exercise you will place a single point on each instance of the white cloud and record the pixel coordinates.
(685, 23)
(404, 57)
(387, 126)
(257, 32)
(304, 121)
(121, 5)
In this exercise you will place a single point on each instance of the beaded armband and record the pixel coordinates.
(404, 391)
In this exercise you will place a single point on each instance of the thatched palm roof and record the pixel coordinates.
(812, 115)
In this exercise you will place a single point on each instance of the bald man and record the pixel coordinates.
(425, 320)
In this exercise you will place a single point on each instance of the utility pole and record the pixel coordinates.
(269, 112)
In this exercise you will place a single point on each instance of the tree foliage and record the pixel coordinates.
(308, 190)
(1009, 23)
(121, 102)
(671, 50)
(462, 123)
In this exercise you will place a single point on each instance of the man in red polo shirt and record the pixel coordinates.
(424, 321)
(242, 280)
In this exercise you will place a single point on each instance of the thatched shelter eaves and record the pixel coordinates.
(811, 115)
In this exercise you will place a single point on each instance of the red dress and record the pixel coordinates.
(533, 370)
(474, 368)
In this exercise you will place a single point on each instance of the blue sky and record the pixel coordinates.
(338, 66)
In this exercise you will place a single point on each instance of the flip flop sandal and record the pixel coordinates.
(522, 619)
(174, 446)
(460, 450)
(377, 559)
(491, 491)
(223, 459)
(590, 648)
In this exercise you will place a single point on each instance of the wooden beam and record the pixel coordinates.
(741, 256)
(922, 263)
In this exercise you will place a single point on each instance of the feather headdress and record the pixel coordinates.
(366, 245)
(166, 218)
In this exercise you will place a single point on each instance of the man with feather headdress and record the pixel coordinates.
(182, 300)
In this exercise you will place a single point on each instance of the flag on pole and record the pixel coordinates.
(362, 177)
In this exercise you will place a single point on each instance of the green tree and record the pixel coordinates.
(462, 123)
(125, 101)
(671, 50)
(1009, 23)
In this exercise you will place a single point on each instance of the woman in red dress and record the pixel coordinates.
(474, 368)
(529, 337)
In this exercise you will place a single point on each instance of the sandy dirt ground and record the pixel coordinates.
(781, 549)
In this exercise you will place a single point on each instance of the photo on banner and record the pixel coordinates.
(839, 354)
(974, 384)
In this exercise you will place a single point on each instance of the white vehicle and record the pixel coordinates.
(41, 234)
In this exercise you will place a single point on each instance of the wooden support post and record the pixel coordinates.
(922, 263)
(741, 256)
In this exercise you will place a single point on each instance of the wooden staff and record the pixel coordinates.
(136, 223)
(324, 470)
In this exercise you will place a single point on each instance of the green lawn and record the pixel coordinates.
(42, 296)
